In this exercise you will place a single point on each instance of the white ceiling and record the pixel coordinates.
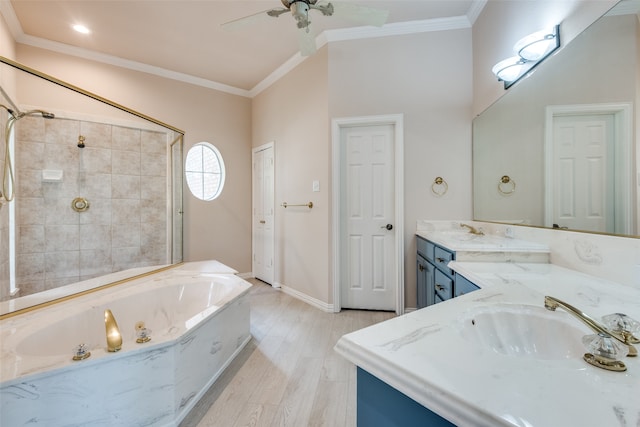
(183, 39)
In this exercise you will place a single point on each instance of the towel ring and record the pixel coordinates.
(506, 185)
(439, 186)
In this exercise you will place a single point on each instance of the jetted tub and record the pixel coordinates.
(199, 322)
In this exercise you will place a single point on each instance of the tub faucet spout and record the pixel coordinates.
(114, 339)
(551, 303)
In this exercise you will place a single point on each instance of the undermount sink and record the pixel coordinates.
(524, 331)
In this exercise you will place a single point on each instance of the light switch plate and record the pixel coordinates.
(316, 186)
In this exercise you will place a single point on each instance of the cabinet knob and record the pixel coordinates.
(440, 259)
(439, 287)
(421, 267)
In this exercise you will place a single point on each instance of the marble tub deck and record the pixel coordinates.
(156, 383)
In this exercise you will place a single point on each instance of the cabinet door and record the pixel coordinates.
(463, 286)
(425, 282)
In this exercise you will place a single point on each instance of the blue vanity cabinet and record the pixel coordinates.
(380, 405)
(435, 280)
(464, 286)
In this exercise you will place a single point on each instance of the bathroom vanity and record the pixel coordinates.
(496, 356)
(437, 282)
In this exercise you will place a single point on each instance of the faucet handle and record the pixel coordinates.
(604, 345)
(625, 325)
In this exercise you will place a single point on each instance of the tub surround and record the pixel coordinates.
(426, 355)
(155, 383)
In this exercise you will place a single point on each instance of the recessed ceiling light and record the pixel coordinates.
(81, 29)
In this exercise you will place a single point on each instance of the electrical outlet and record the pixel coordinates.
(508, 232)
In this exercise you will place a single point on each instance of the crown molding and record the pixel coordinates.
(355, 33)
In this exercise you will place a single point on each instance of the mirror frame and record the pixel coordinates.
(153, 269)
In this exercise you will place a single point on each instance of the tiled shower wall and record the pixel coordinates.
(121, 171)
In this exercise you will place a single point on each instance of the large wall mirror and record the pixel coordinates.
(92, 190)
(560, 149)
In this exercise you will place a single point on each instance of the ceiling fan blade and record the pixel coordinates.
(306, 42)
(360, 14)
(238, 24)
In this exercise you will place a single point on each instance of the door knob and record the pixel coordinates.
(388, 227)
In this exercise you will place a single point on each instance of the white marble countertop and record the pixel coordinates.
(432, 355)
(465, 241)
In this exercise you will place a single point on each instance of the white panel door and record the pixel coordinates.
(368, 236)
(263, 210)
(583, 165)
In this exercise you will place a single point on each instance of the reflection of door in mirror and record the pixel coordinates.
(582, 181)
(587, 149)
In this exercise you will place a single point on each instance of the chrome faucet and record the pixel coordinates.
(472, 229)
(114, 338)
(551, 303)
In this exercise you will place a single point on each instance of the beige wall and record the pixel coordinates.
(358, 78)
(220, 229)
(293, 113)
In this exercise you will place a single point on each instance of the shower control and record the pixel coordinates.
(80, 204)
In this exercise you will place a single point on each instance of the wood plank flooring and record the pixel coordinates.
(288, 374)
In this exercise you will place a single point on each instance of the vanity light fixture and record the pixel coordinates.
(530, 50)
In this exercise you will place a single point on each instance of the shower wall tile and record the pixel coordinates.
(99, 212)
(153, 142)
(154, 165)
(65, 157)
(67, 188)
(97, 135)
(62, 238)
(98, 185)
(94, 263)
(28, 286)
(124, 258)
(154, 254)
(154, 211)
(62, 264)
(56, 282)
(95, 236)
(95, 160)
(30, 266)
(62, 131)
(125, 162)
(125, 235)
(153, 188)
(60, 212)
(30, 128)
(123, 138)
(30, 239)
(30, 155)
(29, 183)
(152, 234)
(125, 211)
(30, 211)
(125, 186)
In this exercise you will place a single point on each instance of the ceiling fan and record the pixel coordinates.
(300, 9)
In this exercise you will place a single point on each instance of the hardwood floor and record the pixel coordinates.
(288, 374)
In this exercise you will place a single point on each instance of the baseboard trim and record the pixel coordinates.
(314, 302)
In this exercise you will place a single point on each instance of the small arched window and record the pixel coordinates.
(204, 171)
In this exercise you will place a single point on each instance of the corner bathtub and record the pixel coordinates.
(199, 322)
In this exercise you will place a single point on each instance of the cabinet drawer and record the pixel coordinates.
(442, 258)
(463, 286)
(443, 285)
(425, 248)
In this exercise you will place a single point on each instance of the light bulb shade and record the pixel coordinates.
(511, 69)
(538, 45)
